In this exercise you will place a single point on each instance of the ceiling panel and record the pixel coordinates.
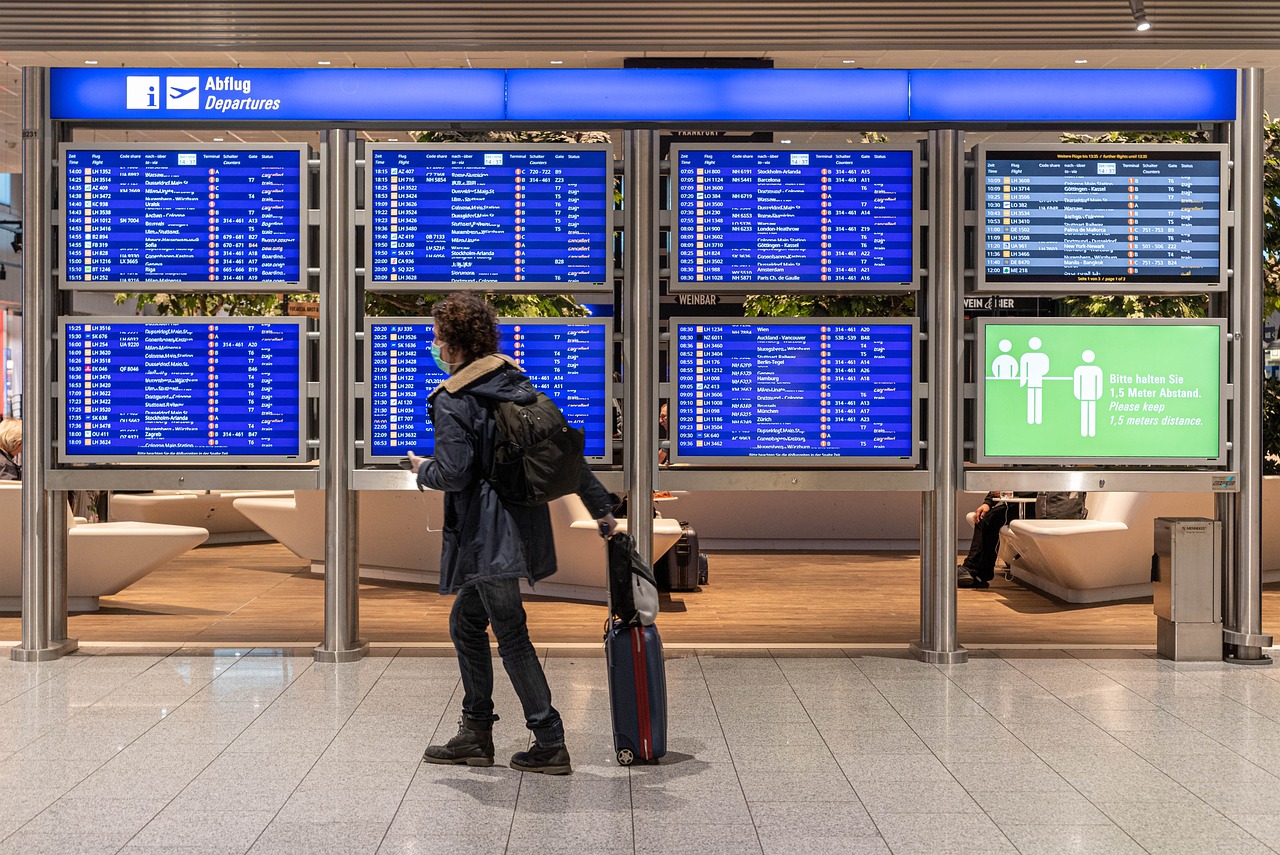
(664, 25)
(602, 33)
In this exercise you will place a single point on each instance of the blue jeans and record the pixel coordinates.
(497, 602)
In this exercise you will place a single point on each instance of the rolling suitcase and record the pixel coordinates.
(684, 567)
(637, 692)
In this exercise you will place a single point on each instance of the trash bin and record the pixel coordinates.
(1187, 596)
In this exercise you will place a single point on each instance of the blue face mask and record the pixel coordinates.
(440, 363)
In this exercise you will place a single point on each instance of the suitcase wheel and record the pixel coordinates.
(626, 757)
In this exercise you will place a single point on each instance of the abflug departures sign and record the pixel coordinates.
(214, 389)
(567, 359)
(1134, 218)
(520, 216)
(834, 392)
(199, 216)
(773, 218)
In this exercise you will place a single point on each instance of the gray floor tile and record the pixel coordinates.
(872, 768)
(956, 834)
(779, 786)
(654, 836)
(1013, 807)
(892, 797)
(830, 820)
(30, 843)
(804, 844)
(578, 833)
(320, 838)
(1058, 839)
(110, 817)
(178, 827)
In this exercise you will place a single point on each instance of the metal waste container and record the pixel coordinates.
(1187, 598)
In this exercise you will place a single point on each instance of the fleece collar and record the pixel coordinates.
(473, 371)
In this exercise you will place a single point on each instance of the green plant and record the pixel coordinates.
(212, 304)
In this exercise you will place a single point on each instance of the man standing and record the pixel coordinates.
(490, 546)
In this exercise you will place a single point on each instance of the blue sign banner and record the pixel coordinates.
(1076, 95)
(716, 95)
(277, 94)
(639, 95)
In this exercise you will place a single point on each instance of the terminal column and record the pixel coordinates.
(338, 312)
(943, 322)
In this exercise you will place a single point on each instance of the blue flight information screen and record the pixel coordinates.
(565, 359)
(207, 388)
(211, 215)
(520, 215)
(747, 390)
(800, 217)
(1109, 217)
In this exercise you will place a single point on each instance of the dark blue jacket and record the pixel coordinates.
(484, 538)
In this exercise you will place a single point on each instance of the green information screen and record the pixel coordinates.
(1114, 391)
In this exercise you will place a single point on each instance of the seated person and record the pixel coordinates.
(662, 434)
(979, 567)
(11, 450)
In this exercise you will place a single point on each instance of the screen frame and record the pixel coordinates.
(184, 458)
(604, 323)
(524, 286)
(230, 286)
(677, 285)
(796, 462)
(980, 399)
(984, 151)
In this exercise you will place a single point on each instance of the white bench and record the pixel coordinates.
(213, 510)
(400, 537)
(102, 558)
(1104, 557)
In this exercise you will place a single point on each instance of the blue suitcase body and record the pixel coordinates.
(637, 692)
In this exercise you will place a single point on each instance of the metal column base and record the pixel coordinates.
(958, 656)
(1244, 648)
(1186, 641)
(55, 650)
(354, 654)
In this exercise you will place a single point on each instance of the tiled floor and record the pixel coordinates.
(822, 751)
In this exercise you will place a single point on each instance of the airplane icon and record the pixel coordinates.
(182, 92)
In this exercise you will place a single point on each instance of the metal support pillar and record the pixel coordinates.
(639, 332)
(44, 514)
(944, 322)
(337, 321)
(1242, 609)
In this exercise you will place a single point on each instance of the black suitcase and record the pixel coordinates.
(637, 692)
(684, 567)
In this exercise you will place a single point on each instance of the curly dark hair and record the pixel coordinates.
(467, 323)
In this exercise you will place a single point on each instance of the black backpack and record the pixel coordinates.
(538, 455)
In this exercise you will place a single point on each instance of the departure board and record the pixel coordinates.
(213, 389)
(566, 358)
(826, 392)
(225, 217)
(780, 218)
(523, 216)
(1120, 218)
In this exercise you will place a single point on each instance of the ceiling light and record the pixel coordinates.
(785, 142)
(557, 62)
(90, 62)
(1081, 61)
(217, 139)
(1139, 11)
(848, 61)
(323, 62)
